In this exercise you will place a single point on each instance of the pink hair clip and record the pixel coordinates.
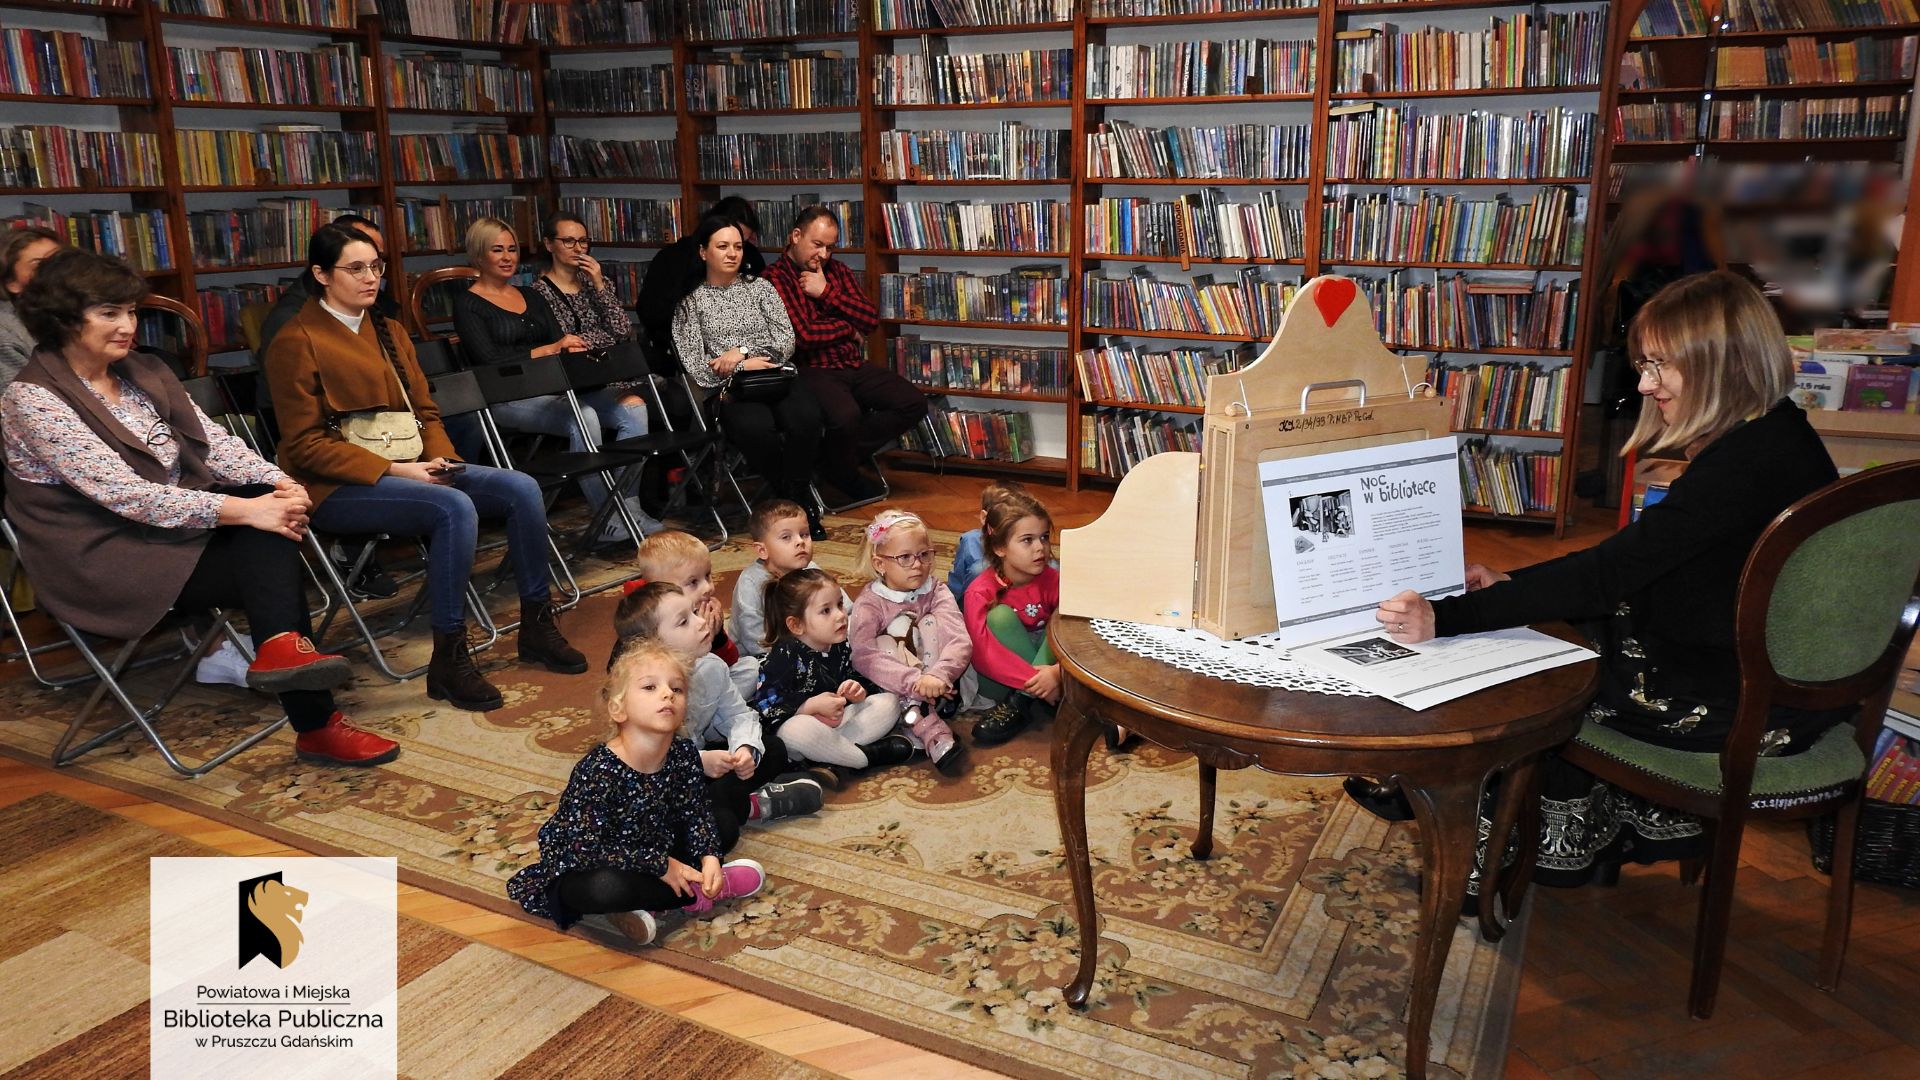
(887, 520)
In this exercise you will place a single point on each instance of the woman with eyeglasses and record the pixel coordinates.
(338, 361)
(129, 502)
(1658, 596)
(503, 323)
(21, 253)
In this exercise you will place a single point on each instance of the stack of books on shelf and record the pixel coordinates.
(1014, 152)
(1740, 15)
(1030, 295)
(44, 156)
(339, 14)
(440, 225)
(1502, 396)
(588, 22)
(611, 90)
(778, 215)
(138, 236)
(773, 79)
(467, 155)
(1641, 69)
(959, 14)
(1550, 50)
(1246, 305)
(278, 154)
(746, 20)
(624, 278)
(797, 155)
(1200, 68)
(220, 308)
(1452, 312)
(1202, 225)
(1117, 148)
(1547, 230)
(614, 159)
(1670, 18)
(1894, 775)
(454, 20)
(324, 75)
(1122, 373)
(1879, 116)
(964, 365)
(1854, 370)
(1506, 480)
(992, 435)
(1026, 226)
(627, 221)
(61, 63)
(447, 82)
(1114, 441)
(1369, 141)
(1809, 60)
(973, 78)
(1139, 9)
(1656, 121)
(273, 231)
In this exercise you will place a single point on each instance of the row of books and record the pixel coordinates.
(624, 279)
(588, 22)
(1019, 226)
(1507, 480)
(613, 159)
(1031, 295)
(1375, 142)
(138, 236)
(1502, 396)
(967, 365)
(1856, 384)
(1738, 15)
(43, 156)
(458, 20)
(466, 154)
(1013, 152)
(746, 20)
(983, 435)
(1894, 775)
(1122, 372)
(1454, 313)
(272, 231)
(611, 90)
(953, 14)
(627, 221)
(1810, 60)
(1200, 68)
(1200, 225)
(1641, 69)
(778, 215)
(440, 224)
(1877, 116)
(1527, 50)
(1136, 9)
(1833, 183)
(794, 155)
(1245, 305)
(1670, 18)
(798, 80)
(335, 13)
(1548, 229)
(1656, 121)
(323, 75)
(1118, 148)
(425, 80)
(281, 154)
(1113, 441)
(61, 63)
(220, 308)
(973, 78)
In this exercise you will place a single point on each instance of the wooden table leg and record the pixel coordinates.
(1073, 735)
(1446, 810)
(1516, 788)
(1203, 840)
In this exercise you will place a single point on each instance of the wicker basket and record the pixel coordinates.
(1889, 846)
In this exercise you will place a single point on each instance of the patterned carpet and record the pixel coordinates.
(74, 882)
(929, 909)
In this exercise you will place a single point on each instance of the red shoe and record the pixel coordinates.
(288, 661)
(340, 743)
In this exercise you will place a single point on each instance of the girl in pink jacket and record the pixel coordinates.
(907, 633)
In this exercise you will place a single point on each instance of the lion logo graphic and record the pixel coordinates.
(270, 913)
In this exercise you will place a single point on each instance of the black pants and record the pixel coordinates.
(605, 889)
(729, 793)
(781, 440)
(865, 408)
(259, 573)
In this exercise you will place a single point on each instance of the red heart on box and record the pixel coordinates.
(1332, 296)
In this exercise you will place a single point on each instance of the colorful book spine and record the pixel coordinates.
(1030, 226)
(962, 366)
(445, 82)
(290, 155)
(45, 156)
(324, 75)
(1200, 68)
(1025, 298)
(62, 63)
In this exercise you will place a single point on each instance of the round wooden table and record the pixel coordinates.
(1442, 758)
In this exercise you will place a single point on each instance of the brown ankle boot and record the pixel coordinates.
(541, 643)
(452, 677)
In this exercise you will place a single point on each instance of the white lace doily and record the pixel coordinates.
(1256, 661)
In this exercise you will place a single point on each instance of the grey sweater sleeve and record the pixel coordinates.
(749, 609)
(715, 707)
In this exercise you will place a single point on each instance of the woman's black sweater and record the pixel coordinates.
(490, 334)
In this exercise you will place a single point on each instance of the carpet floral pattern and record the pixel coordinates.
(933, 909)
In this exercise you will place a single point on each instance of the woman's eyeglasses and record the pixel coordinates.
(158, 435)
(373, 269)
(1650, 367)
(577, 242)
(908, 559)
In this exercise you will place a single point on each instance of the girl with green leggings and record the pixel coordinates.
(1007, 608)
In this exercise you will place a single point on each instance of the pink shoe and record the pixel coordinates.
(739, 878)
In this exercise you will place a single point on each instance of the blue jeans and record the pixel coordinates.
(449, 517)
(551, 415)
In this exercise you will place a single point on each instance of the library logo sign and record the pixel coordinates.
(281, 967)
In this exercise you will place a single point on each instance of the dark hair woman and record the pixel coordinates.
(130, 502)
(21, 254)
(336, 359)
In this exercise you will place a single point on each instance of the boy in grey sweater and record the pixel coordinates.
(781, 539)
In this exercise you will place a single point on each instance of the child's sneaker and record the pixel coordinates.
(937, 738)
(892, 750)
(639, 926)
(739, 879)
(792, 798)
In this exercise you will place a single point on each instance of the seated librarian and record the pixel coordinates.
(1658, 596)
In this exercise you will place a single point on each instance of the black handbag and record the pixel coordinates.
(762, 386)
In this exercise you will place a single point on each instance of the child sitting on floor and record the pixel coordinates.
(970, 551)
(810, 694)
(907, 632)
(634, 834)
(1006, 609)
(741, 766)
(783, 543)
(680, 558)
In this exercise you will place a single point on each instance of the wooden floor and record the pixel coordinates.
(1604, 983)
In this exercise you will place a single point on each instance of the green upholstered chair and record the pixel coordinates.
(1827, 606)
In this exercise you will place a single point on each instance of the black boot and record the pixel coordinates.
(452, 678)
(815, 527)
(541, 642)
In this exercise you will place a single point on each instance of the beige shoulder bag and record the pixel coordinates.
(391, 434)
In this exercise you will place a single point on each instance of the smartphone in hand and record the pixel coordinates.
(451, 468)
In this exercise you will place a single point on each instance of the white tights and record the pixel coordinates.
(862, 723)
